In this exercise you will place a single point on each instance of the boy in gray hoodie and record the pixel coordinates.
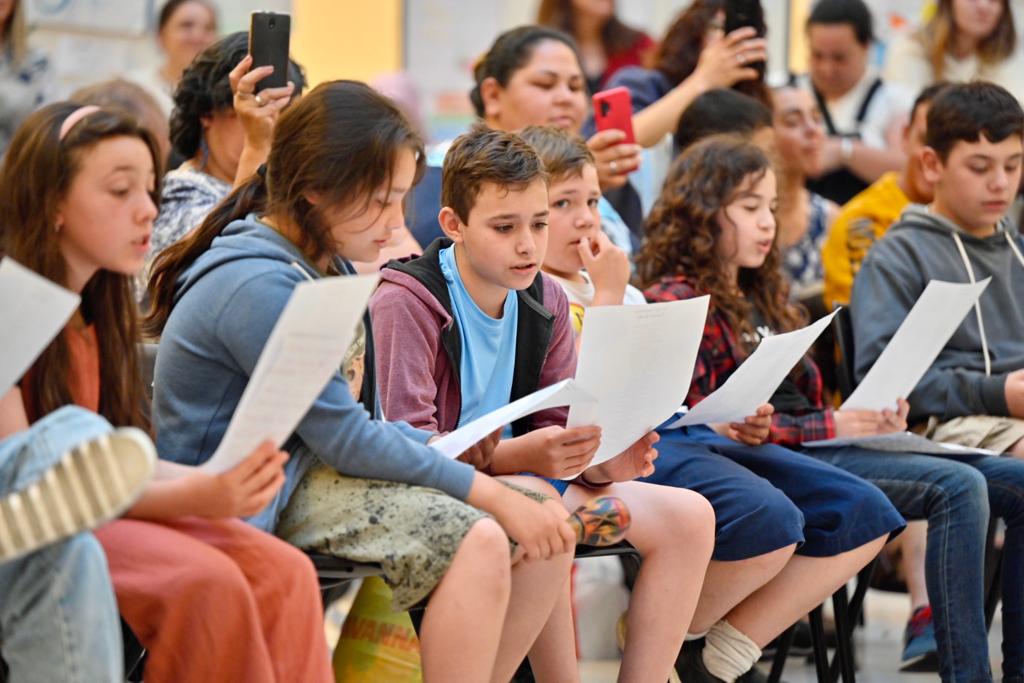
(974, 392)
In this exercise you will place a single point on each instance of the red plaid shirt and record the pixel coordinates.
(720, 354)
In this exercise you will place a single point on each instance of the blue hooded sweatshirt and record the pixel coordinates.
(226, 304)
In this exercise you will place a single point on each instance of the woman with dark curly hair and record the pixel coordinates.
(694, 56)
(222, 128)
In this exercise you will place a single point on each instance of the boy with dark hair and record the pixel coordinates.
(724, 110)
(865, 218)
(472, 324)
(974, 392)
(861, 113)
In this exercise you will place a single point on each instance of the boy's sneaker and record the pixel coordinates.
(93, 482)
(920, 651)
(690, 667)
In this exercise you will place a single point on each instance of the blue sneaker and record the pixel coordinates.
(920, 651)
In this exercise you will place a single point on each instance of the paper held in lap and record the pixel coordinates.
(921, 336)
(33, 310)
(901, 442)
(305, 349)
(756, 379)
(635, 364)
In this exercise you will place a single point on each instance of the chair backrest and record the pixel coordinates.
(842, 326)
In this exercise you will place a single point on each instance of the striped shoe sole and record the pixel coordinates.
(92, 483)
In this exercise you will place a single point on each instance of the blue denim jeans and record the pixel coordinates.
(957, 498)
(58, 614)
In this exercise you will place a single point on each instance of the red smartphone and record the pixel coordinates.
(613, 109)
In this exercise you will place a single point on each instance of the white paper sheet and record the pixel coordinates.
(937, 314)
(901, 442)
(756, 379)
(33, 310)
(637, 361)
(563, 393)
(304, 350)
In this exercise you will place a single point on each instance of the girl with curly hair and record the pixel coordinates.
(713, 232)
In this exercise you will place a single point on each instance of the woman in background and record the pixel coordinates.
(184, 29)
(23, 71)
(606, 44)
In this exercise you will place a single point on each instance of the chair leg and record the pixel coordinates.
(844, 638)
(854, 615)
(995, 590)
(819, 644)
(779, 661)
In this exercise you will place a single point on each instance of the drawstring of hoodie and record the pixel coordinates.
(977, 304)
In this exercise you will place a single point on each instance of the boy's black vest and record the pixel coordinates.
(533, 332)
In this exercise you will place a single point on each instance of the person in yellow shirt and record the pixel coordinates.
(865, 218)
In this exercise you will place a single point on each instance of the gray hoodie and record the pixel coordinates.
(969, 376)
(226, 305)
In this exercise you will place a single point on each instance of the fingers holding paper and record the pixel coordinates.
(480, 454)
(636, 461)
(558, 452)
(754, 430)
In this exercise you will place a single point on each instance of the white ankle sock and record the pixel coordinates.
(696, 636)
(728, 653)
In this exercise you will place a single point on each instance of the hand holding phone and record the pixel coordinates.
(742, 13)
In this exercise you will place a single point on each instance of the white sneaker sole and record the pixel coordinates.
(94, 482)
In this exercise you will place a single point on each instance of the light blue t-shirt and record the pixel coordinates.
(488, 346)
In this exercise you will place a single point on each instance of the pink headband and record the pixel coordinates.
(74, 117)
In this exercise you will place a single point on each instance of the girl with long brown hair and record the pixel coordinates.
(77, 202)
(342, 160)
(964, 40)
(713, 232)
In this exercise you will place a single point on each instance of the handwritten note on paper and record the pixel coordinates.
(563, 393)
(303, 352)
(33, 310)
(900, 442)
(756, 379)
(637, 362)
(920, 338)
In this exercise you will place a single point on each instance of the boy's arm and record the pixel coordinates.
(406, 343)
(885, 290)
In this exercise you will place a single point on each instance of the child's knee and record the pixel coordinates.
(486, 546)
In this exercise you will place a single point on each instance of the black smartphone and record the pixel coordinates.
(269, 37)
(741, 13)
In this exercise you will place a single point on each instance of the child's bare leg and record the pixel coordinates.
(727, 584)
(553, 650)
(914, 546)
(800, 587)
(674, 531)
(462, 625)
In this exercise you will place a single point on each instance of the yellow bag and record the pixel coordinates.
(376, 644)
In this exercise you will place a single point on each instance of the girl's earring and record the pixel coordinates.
(56, 228)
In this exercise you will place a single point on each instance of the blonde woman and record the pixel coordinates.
(964, 40)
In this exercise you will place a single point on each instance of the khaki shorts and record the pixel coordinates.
(991, 432)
